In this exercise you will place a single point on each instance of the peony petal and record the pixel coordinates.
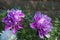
(20, 27)
(18, 11)
(33, 25)
(7, 27)
(41, 35)
(37, 15)
(41, 21)
(47, 35)
(17, 27)
(22, 15)
(14, 30)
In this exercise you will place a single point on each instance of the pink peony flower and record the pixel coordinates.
(12, 20)
(42, 23)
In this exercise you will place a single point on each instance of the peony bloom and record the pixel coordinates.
(16, 15)
(42, 23)
(12, 20)
(8, 35)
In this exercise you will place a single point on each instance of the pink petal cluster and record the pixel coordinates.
(12, 20)
(42, 23)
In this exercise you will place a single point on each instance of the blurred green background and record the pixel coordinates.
(29, 7)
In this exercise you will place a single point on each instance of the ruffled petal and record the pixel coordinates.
(18, 27)
(37, 16)
(7, 27)
(14, 30)
(41, 21)
(47, 35)
(33, 25)
(22, 15)
(41, 35)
